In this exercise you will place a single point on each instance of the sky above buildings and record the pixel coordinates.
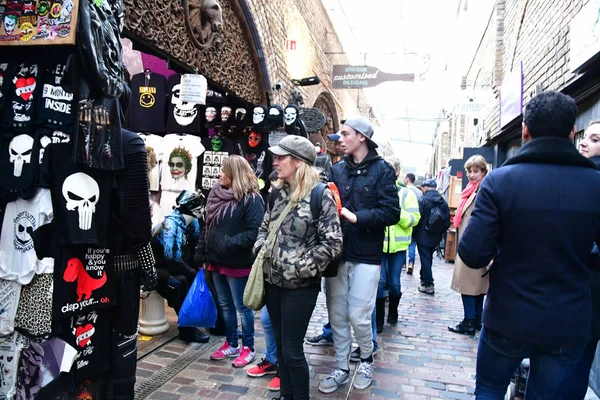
(402, 36)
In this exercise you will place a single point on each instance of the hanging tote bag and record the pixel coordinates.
(198, 309)
(254, 293)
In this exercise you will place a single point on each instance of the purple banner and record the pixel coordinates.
(511, 96)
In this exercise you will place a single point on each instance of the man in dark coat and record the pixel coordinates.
(435, 221)
(537, 218)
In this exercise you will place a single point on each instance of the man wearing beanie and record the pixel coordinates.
(367, 186)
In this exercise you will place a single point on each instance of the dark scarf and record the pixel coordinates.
(219, 200)
(550, 150)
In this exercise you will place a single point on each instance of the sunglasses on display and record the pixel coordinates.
(177, 164)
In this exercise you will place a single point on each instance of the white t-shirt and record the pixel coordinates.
(10, 293)
(179, 162)
(18, 261)
(153, 149)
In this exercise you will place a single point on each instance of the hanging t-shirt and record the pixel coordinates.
(34, 313)
(183, 117)
(19, 112)
(89, 333)
(84, 281)
(180, 162)
(19, 168)
(211, 161)
(5, 79)
(254, 148)
(147, 104)
(10, 293)
(10, 351)
(18, 261)
(55, 108)
(154, 153)
(80, 197)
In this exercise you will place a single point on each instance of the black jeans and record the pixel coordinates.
(290, 311)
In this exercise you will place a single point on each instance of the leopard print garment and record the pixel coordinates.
(34, 314)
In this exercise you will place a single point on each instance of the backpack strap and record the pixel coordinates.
(316, 200)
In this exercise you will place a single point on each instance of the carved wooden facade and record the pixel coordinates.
(325, 104)
(231, 61)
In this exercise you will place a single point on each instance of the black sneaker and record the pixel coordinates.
(320, 340)
(465, 327)
(355, 355)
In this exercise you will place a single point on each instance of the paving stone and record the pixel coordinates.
(164, 396)
(234, 389)
(187, 390)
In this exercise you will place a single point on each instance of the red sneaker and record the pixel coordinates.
(225, 351)
(274, 385)
(261, 369)
(245, 358)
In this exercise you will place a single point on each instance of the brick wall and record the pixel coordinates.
(306, 22)
(535, 32)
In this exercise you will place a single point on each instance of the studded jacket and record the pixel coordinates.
(302, 248)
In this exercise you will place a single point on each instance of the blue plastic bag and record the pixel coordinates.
(198, 309)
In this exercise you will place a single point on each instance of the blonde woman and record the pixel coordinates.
(467, 281)
(297, 255)
(234, 212)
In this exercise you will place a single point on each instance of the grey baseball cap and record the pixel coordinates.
(296, 146)
(363, 126)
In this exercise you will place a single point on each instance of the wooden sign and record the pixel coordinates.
(38, 22)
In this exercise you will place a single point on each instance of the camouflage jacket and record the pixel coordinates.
(298, 256)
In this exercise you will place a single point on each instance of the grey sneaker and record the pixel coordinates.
(427, 289)
(364, 376)
(335, 380)
(355, 355)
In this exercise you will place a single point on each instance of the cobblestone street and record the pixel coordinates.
(419, 359)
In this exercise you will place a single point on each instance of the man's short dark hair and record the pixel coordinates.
(411, 177)
(550, 114)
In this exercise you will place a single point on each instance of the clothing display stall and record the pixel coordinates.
(75, 234)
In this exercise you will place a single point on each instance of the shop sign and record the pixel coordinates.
(290, 45)
(511, 96)
(193, 89)
(585, 35)
(471, 103)
(362, 76)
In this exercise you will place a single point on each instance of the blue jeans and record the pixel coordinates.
(473, 306)
(411, 251)
(426, 256)
(230, 294)
(374, 326)
(327, 332)
(581, 376)
(552, 367)
(391, 269)
(270, 344)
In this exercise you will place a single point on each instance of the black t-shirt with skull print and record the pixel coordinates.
(80, 197)
(183, 117)
(19, 165)
(147, 104)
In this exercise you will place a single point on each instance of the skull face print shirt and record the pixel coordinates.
(147, 104)
(80, 197)
(18, 261)
(182, 117)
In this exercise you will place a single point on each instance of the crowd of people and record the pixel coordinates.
(526, 236)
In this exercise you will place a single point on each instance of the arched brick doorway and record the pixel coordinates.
(326, 105)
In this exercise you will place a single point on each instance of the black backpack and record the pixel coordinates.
(438, 221)
(316, 204)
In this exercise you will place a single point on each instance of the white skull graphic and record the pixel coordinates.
(240, 113)
(274, 111)
(44, 141)
(225, 113)
(23, 229)
(290, 115)
(81, 193)
(19, 151)
(10, 21)
(184, 112)
(258, 116)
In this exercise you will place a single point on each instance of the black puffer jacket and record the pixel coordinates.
(229, 241)
(368, 190)
(595, 280)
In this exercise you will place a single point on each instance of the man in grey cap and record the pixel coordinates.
(367, 185)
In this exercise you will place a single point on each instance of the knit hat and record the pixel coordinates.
(429, 183)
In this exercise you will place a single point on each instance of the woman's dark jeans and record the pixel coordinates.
(473, 306)
(290, 311)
